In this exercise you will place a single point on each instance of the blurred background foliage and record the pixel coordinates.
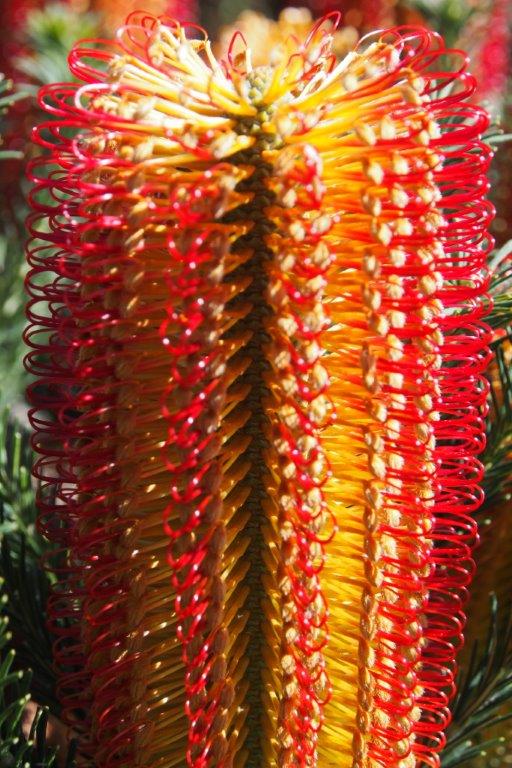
(35, 37)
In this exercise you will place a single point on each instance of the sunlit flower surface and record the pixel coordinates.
(260, 345)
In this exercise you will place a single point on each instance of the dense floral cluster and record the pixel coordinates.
(260, 395)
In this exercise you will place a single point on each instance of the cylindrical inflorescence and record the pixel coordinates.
(256, 303)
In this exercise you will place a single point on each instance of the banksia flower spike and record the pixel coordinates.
(256, 322)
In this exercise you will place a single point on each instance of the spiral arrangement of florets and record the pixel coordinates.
(256, 303)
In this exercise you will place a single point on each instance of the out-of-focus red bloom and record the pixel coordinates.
(114, 12)
(13, 17)
(493, 67)
(487, 37)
